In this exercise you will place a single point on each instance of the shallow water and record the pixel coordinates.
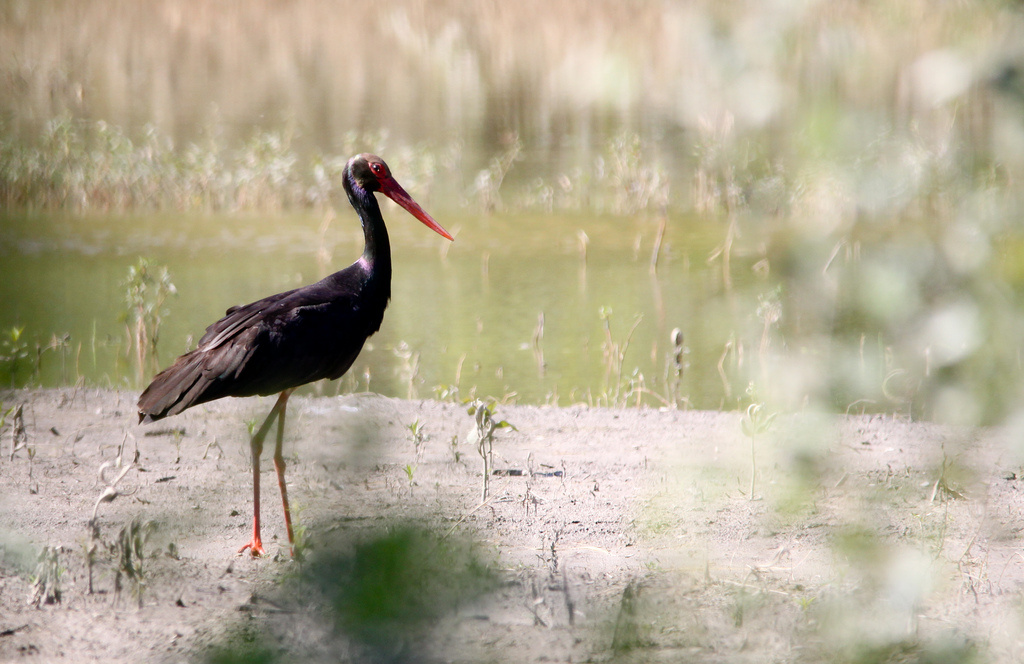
(465, 315)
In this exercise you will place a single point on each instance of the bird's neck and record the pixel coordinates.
(376, 258)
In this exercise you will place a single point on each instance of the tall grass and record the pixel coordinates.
(798, 82)
(96, 166)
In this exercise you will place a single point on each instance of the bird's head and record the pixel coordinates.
(370, 173)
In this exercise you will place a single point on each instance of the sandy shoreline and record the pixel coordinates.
(604, 527)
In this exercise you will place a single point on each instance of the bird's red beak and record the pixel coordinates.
(394, 191)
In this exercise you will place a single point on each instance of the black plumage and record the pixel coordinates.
(296, 337)
(280, 342)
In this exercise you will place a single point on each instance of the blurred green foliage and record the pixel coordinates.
(389, 588)
(377, 596)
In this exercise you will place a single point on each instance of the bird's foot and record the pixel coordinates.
(255, 548)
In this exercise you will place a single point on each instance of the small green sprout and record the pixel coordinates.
(483, 435)
(756, 422)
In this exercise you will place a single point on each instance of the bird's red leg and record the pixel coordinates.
(255, 545)
(279, 465)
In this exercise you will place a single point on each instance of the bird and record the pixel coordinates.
(281, 342)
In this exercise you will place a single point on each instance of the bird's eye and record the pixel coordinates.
(378, 169)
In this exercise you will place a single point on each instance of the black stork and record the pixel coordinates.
(276, 344)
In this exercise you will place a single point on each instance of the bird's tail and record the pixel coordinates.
(179, 386)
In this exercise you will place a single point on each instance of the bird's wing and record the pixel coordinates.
(258, 348)
(238, 318)
(271, 344)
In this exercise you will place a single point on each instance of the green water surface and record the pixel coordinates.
(465, 316)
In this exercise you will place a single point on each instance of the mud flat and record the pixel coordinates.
(607, 535)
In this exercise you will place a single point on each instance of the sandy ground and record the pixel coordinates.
(608, 535)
